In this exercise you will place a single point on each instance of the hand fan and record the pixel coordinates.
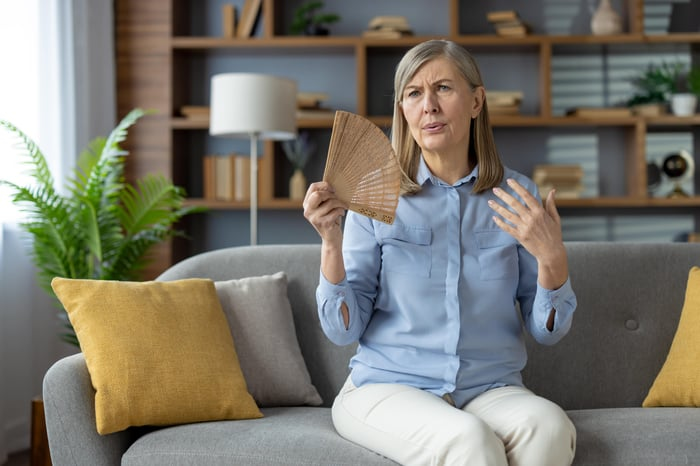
(362, 167)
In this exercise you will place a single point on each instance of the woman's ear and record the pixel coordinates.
(478, 103)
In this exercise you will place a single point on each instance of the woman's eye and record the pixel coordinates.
(412, 94)
(443, 87)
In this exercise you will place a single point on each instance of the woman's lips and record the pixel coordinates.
(433, 127)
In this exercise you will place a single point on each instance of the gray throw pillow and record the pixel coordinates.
(261, 322)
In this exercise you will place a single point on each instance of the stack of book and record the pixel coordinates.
(566, 179)
(388, 27)
(508, 23)
(504, 102)
(227, 177)
(310, 105)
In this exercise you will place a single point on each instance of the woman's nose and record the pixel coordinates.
(430, 104)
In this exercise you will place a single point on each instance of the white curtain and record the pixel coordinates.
(57, 85)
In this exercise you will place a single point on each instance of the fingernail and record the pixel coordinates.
(509, 181)
(496, 190)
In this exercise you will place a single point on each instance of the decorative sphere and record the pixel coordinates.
(674, 165)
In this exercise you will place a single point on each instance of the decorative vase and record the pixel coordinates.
(683, 104)
(605, 20)
(297, 185)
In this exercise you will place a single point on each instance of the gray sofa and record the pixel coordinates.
(630, 298)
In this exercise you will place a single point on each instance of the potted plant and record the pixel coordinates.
(102, 227)
(311, 23)
(684, 99)
(654, 88)
(298, 153)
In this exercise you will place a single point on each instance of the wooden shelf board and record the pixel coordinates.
(595, 202)
(671, 120)
(629, 202)
(496, 120)
(271, 204)
(187, 123)
(331, 42)
(203, 42)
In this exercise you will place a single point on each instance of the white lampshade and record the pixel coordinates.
(243, 104)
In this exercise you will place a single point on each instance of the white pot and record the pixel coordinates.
(683, 104)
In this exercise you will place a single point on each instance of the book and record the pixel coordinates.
(224, 178)
(502, 15)
(195, 112)
(384, 34)
(521, 29)
(508, 23)
(228, 18)
(560, 176)
(504, 109)
(209, 175)
(249, 16)
(504, 98)
(310, 99)
(563, 192)
(241, 177)
(395, 21)
(387, 27)
(599, 112)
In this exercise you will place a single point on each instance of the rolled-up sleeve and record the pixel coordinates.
(329, 298)
(563, 300)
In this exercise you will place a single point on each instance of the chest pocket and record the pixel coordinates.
(497, 255)
(405, 249)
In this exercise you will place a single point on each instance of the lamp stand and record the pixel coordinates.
(254, 188)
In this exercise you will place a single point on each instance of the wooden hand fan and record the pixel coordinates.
(362, 167)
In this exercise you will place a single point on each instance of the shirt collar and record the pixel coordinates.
(424, 174)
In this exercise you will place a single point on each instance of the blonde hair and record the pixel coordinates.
(482, 148)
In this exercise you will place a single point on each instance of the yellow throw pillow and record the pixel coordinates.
(158, 353)
(678, 382)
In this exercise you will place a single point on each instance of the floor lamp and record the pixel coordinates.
(257, 107)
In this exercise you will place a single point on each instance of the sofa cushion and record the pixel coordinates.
(285, 436)
(261, 322)
(636, 436)
(678, 382)
(158, 353)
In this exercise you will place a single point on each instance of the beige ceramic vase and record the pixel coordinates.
(297, 185)
(605, 20)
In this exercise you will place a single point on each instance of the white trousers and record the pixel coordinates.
(504, 426)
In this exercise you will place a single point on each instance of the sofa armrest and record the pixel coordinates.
(69, 406)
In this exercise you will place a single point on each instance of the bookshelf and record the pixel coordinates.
(168, 49)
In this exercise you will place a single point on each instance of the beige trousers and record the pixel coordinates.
(504, 426)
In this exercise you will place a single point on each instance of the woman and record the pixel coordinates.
(432, 298)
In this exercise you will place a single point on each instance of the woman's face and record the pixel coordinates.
(438, 105)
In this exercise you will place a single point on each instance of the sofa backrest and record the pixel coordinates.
(629, 301)
(630, 296)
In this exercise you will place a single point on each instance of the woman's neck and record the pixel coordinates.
(448, 167)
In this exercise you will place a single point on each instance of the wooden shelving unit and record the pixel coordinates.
(155, 47)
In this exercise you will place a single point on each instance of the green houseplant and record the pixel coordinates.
(309, 22)
(103, 226)
(654, 86)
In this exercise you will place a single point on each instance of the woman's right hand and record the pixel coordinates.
(324, 211)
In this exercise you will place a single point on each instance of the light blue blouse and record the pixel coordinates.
(439, 299)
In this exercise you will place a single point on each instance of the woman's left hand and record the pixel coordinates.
(537, 227)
